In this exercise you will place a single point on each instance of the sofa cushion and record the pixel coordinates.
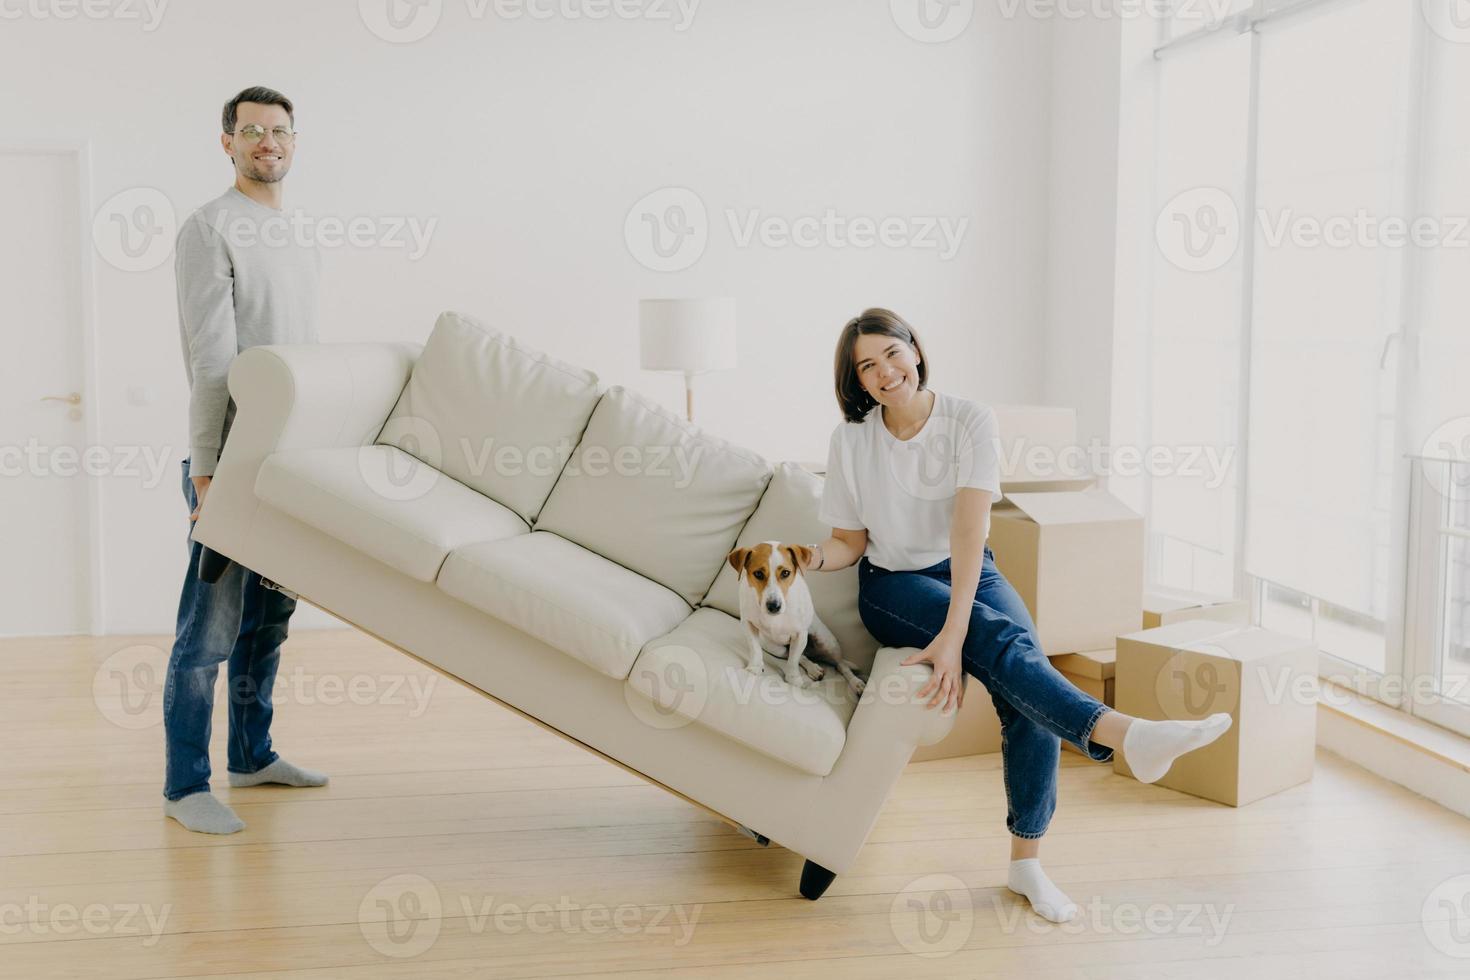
(564, 595)
(385, 503)
(788, 513)
(655, 493)
(697, 671)
(494, 414)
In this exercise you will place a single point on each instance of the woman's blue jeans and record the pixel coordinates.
(1037, 705)
(236, 618)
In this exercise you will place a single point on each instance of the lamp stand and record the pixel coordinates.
(689, 396)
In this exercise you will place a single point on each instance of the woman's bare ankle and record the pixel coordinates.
(1110, 729)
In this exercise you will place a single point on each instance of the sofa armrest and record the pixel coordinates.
(890, 711)
(307, 396)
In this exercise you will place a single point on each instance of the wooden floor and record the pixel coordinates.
(458, 840)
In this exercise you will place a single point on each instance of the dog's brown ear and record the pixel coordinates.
(800, 555)
(737, 558)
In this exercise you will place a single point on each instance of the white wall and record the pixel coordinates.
(529, 141)
(1082, 230)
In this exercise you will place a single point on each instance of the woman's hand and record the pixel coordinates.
(947, 684)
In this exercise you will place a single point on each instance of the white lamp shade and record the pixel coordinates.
(688, 335)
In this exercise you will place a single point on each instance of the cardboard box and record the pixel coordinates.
(1195, 668)
(1093, 673)
(1038, 445)
(1162, 607)
(1076, 558)
(976, 729)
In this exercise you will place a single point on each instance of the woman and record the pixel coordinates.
(911, 476)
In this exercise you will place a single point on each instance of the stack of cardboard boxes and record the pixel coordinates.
(1075, 554)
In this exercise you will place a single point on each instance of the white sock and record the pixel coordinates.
(281, 772)
(1150, 747)
(203, 814)
(1050, 902)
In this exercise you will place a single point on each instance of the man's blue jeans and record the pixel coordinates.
(1037, 705)
(236, 618)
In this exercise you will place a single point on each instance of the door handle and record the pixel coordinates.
(75, 398)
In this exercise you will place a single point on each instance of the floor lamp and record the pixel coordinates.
(691, 336)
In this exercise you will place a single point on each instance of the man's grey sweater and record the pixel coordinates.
(247, 275)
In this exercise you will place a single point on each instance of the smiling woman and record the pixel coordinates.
(911, 476)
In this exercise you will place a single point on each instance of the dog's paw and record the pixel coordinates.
(757, 668)
(857, 684)
(814, 670)
(798, 679)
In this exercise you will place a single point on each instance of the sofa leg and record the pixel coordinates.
(814, 880)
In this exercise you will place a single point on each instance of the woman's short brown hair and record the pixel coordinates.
(851, 398)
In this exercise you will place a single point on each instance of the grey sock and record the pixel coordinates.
(203, 814)
(281, 772)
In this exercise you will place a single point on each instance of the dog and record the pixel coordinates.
(776, 608)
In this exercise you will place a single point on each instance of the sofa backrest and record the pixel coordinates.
(655, 493)
(788, 513)
(492, 413)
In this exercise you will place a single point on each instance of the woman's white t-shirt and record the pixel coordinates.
(902, 490)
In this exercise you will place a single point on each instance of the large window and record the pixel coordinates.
(1326, 143)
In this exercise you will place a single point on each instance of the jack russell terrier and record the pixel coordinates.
(776, 608)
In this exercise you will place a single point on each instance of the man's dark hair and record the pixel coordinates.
(261, 95)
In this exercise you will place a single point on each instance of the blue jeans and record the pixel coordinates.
(236, 618)
(1037, 705)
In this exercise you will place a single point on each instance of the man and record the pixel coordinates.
(243, 280)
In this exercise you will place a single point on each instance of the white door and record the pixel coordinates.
(45, 531)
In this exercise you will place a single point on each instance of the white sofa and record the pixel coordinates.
(560, 546)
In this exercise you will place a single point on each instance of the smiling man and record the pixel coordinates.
(237, 288)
